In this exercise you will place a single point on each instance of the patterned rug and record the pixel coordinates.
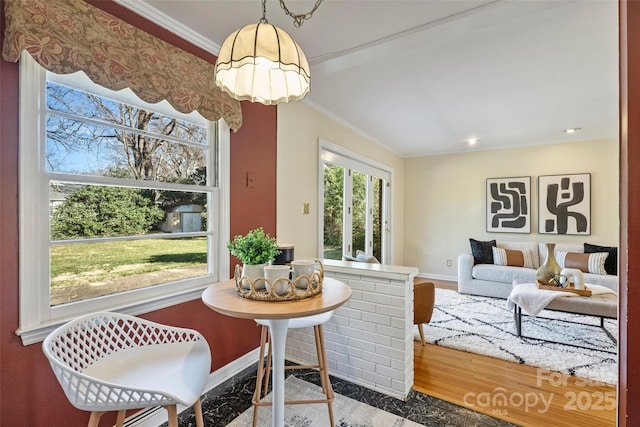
(347, 412)
(485, 326)
(230, 404)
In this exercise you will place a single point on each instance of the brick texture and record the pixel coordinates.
(369, 340)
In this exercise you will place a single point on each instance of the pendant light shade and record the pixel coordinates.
(262, 63)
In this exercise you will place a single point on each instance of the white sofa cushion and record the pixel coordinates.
(607, 280)
(503, 273)
(560, 247)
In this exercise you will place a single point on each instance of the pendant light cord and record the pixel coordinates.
(298, 19)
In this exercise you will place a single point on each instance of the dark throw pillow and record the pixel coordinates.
(482, 252)
(611, 263)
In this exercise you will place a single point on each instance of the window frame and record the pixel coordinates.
(37, 318)
(351, 161)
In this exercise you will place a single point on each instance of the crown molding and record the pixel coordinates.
(143, 9)
(350, 126)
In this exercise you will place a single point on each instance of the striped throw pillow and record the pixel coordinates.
(512, 257)
(587, 263)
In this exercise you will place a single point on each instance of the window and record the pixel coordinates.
(354, 204)
(121, 202)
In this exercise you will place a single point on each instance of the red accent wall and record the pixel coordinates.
(253, 172)
(29, 393)
(629, 368)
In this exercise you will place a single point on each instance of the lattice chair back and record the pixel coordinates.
(90, 352)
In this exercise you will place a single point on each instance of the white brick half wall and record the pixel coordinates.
(369, 340)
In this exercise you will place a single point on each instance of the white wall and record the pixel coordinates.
(369, 340)
(438, 201)
(445, 198)
(299, 128)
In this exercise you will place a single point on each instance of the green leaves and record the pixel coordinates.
(97, 211)
(256, 247)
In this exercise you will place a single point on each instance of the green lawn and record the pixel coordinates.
(332, 253)
(94, 262)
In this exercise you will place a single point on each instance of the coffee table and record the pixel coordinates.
(604, 306)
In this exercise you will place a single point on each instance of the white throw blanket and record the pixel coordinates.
(533, 300)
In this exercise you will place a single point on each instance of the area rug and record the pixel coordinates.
(225, 403)
(347, 412)
(485, 326)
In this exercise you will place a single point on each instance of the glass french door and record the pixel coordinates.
(355, 210)
(333, 237)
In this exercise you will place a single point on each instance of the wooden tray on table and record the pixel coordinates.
(571, 288)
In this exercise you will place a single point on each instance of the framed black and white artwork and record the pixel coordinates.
(564, 204)
(509, 205)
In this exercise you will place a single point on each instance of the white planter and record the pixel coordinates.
(252, 272)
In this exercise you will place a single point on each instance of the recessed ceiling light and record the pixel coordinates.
(571, 130)
(472, 141)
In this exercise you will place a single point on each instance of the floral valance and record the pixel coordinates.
(65, 36)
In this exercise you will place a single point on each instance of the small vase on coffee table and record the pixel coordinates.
(550, 269)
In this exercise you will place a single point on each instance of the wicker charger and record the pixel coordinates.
(314, 286)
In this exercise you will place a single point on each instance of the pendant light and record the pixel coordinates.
(262, 63)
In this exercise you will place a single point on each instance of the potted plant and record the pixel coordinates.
(256, 249)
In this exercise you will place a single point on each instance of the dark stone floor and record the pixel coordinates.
(231, 398)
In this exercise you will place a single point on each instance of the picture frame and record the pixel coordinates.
(509, 205)
(564, 204)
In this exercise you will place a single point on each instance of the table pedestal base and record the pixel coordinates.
(264, 371)
(278, 331)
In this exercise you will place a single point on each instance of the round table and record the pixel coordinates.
(223, 298)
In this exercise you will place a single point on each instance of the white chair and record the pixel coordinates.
(114, 362)
(264, 369)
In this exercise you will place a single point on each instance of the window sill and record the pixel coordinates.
(39, 333)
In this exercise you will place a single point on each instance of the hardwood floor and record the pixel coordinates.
(520, 394)
(516, 393)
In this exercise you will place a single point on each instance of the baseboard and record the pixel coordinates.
(438, 277)
(156, 416)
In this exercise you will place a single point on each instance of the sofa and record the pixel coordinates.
(497, 280)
